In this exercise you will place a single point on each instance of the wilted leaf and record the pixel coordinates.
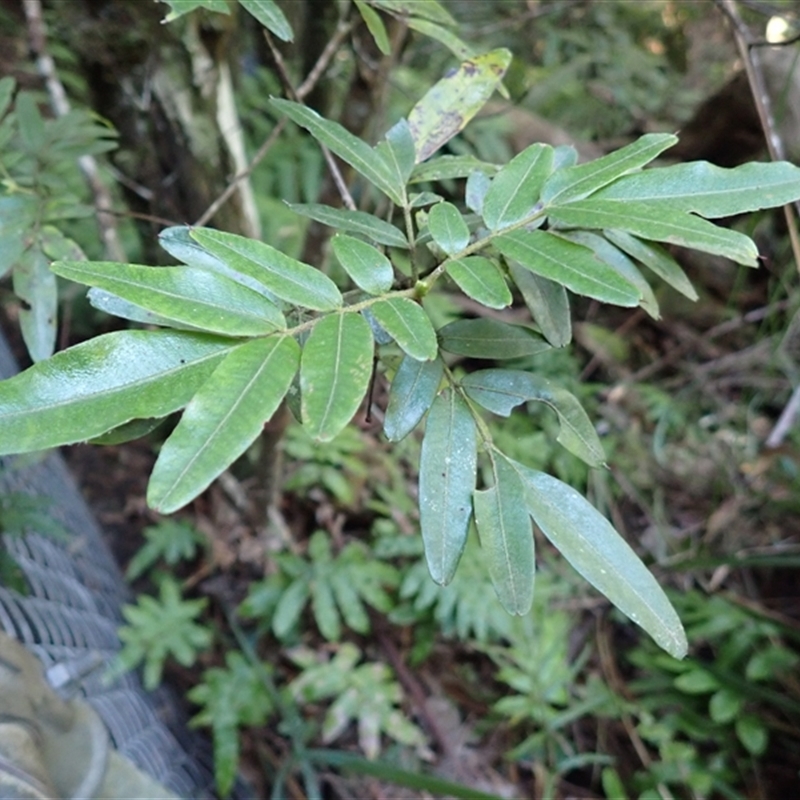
(446, 482)
(334, 373)
(452, 102)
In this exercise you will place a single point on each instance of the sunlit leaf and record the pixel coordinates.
(504, 528)
(452, 102)
(187, 295)
(567, 263)
(660, 223)
(102, 383)
(356, 152)
(287, 278)
(359, 222)
(369, 269)
(334, 373)
(501, 390)
(515, 190)
(413, 391)
(656, 258)
(575, 183)
(269, 14)
(222, 419)
(708, 190)
(446, 481)
(490, 338)
(409, 325)
(447, 227)
(548, 303)
(589, 542)
(480, 279)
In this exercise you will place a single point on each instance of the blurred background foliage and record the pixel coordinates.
(569, 700)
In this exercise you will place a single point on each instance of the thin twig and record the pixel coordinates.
(316, 72)
(106, 221)
(286, 80)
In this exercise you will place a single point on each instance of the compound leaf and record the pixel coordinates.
(446, 482)
(100, 384)
(504, 528)
(223, 419)
(589, 542)
(334, 373)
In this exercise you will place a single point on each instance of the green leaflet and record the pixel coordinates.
(446, 481)
(429, 9)
(334, 373)
(17, 217)
(575, 183)
(409, 325)
(448, 229)
(548, 303)
(181, 7)
(366, 225)
(413, 390)
(501, 390)
(190, 296)
(100, 384)
(35, 285)
(481, 279)
(442, 35)
(490, 338)
(369, 269)
(515, 189)
(615, 258)
(708, 190)
(178, 242)
(452, 102)
(124, 309)
(291, 280)
(270, 16)
(589, 542)
(570, 264)
(478, 184)
(375, 25)
(656, 258)
(448, 167)
(658, 222)
(223, 419)
(356, 152)
(504, 527)
(397, 150)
